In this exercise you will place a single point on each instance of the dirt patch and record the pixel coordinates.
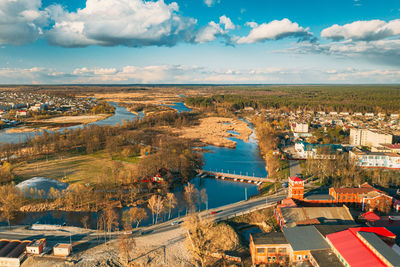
(215, 131)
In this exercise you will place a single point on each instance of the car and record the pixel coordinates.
(175, 223)
(213, 212)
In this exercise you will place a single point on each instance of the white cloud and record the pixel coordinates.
(274, 30)
(21, 21)
(210, 3)
(132, 23)
(213, 30)
(228, 25)
(363, 30)
(194, 74)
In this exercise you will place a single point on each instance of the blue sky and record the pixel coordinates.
(199, 41)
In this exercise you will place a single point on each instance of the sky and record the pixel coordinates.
(199, 42)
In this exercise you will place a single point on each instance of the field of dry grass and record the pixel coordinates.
(71, 169)
(214, 131)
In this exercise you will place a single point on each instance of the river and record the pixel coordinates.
(245, 159)
(121, 114)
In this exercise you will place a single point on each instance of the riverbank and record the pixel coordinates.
(54, 124)
(216, 131)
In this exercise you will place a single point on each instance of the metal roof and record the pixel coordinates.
(305, 238)
(269, 238)
(387, 252)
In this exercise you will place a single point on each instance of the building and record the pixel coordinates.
(36, 247)
(365, 196)
(288, 217)
(365, 246)
(299, 127)
(298, 245)
(306, 150)
(269, 248)
(366, 159)
(365, 137)
(62, 249)
(12, 253)
(296, 188)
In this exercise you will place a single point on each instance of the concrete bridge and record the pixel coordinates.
(234, 177)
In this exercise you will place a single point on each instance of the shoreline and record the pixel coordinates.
(54, 124)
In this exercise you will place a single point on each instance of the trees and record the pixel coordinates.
(10, 202)
(133, 215)
(204, 197)
(107, 221)
(170, 203)
(156, 205)
(125, 245)
(190, 195)
(206, 237)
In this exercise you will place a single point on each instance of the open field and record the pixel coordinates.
(72, 168)
(76, 119)
(214, 131)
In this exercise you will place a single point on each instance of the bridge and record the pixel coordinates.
(234, 177)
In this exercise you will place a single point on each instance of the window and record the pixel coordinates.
(280, 258)
(273, 259)
(305, 256)
(260, 250)
(299, 257)
(282, 250)
(271, 250)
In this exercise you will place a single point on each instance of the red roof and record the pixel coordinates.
(371, 216)
(353, 250)
(377, 230)
(394, 146)
(296, 179)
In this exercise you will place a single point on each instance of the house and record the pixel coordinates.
(317, 151)
(12, 253)
(290, 247)
(269, 248)
(299, 127)
(62, 249)
(36, 247)
(296, 188)
(365, 137)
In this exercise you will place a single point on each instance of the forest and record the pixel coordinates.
(327, 98)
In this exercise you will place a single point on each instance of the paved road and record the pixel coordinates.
(294, 168)
(221, 213)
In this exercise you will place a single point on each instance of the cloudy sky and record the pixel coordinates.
(199, 41)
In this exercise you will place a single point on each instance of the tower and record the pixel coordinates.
(296, 188)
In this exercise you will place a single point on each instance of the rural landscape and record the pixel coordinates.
(186, 133)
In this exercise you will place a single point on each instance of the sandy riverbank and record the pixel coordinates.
(214, 131)
(54, 124)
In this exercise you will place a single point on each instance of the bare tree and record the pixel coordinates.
(84, 221)
(204, 197)
(156, 205)
(205, 237)
(171, 202)
(10, 202)
(125, 245)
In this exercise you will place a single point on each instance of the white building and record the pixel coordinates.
(299, 127)
(365, 137)
(376, 159)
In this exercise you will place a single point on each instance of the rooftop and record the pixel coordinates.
(305, 238)
(326, 258)
(269, 238)
(387, 252)
(353, 250)
(325, 215)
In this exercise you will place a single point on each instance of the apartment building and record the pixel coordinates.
(366, 159)
(365, 137)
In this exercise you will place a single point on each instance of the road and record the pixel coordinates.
(294, 168)
(223, 212)
(64, 236)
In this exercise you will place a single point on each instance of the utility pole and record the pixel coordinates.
(245, 193)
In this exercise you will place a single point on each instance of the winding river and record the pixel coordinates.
(245, 159)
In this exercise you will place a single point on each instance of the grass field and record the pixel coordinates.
(72, 168)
